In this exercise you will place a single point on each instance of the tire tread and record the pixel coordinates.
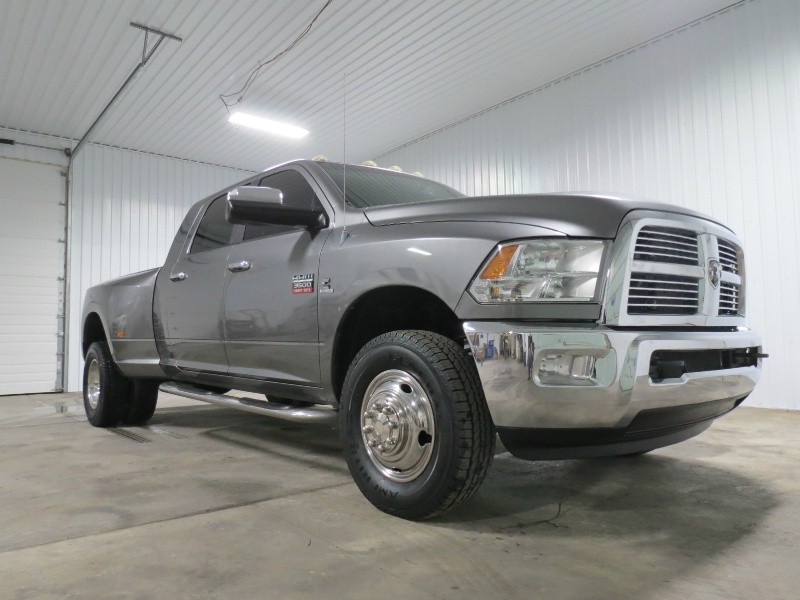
(116, 389)
(475, 430)
(143, 401)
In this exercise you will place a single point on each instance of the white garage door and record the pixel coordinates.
(32, 215)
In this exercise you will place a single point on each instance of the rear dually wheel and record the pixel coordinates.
(106, 391)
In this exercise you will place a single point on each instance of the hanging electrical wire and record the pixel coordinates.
(239, 95)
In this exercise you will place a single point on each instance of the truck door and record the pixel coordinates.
(270, 307)
(191, 293)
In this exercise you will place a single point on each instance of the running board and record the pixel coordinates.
(305, 414)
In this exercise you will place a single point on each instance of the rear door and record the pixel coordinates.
(271, 321)
(192, 295)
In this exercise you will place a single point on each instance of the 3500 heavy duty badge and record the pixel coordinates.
(303, 284)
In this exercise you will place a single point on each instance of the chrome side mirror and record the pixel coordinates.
(256, 194)
(252, 205)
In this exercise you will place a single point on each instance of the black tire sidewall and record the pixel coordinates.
(424, 494)
(142, 404)
(114, 388)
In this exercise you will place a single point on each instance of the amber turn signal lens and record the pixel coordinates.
(499, 263)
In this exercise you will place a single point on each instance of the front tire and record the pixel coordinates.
(106, 391)
(417, 432)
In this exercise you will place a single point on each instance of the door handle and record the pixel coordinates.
(238, 267)
(178, 276)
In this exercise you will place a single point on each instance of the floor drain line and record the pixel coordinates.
(130, 435)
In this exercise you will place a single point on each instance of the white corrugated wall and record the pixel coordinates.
(707, 117)
(125, 208)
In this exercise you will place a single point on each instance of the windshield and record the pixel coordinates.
(370, 186)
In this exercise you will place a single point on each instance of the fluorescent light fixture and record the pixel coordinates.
(240, 118)
(418, 251)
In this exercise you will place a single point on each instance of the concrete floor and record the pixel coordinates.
(212, 503)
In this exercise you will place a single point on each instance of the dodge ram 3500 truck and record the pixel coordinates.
(427, 322)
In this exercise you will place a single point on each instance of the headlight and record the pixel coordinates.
(550, 270)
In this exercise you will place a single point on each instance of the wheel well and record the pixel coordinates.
(388, 309)
(92, 331)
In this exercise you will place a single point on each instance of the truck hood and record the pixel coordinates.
(571, 214)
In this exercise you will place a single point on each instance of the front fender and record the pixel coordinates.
(441, 258)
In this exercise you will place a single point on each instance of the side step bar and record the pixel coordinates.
(306, 414)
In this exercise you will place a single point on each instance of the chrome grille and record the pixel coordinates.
(728, 256)
(666, 245)
(675, 270)
(657, 293)
(728, 298)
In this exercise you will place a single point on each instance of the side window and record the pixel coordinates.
(297, 193)
(214, 231)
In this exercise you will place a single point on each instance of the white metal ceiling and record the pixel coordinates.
(412, 66)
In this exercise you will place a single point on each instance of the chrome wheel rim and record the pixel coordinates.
(93, 384)
(397, 425)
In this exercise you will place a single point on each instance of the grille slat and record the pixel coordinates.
(668, 232)
(647, 294)
(663, 289)
(728, 256)
(667, 257)
(669, 250)
(666, 245)
(728, 299)
(678, 243)
(671, 305)
(671, 284)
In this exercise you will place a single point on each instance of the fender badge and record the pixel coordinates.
(303, 284)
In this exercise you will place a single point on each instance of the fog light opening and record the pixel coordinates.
(567, 369)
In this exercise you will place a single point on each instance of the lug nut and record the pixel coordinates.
(381, 447)
(387, 410)
(367, 429)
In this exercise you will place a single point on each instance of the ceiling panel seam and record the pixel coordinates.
(584, 69)
(177, 87)
(191, 112)
(145, 152)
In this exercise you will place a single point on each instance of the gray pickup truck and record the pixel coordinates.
(426, 322)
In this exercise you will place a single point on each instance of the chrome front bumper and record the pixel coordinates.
(620, 386)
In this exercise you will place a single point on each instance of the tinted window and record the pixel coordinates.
(369, 186)
(297, 193)
(214, 231)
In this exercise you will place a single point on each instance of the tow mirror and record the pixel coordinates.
(253, 205)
